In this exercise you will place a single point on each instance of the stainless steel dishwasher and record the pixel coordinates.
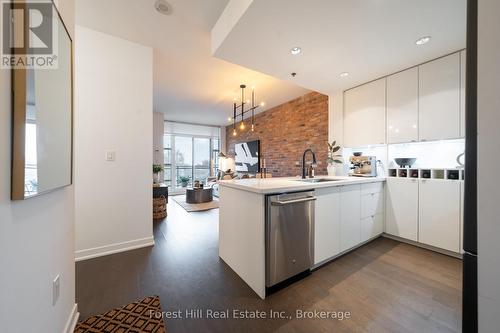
(289, 235)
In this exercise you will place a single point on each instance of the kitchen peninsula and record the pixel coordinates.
(344, 213)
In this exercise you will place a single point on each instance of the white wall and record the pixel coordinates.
(36, 239)
(113, 112)
(488, 160)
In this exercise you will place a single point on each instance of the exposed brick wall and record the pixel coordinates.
(285, 131)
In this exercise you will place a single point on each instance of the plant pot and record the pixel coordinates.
(335, 169)
(184, 184)
(156, 178)
(331, 170)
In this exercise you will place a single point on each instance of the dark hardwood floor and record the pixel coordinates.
(386, 285)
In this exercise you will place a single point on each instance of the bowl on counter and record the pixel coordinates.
(405, 162)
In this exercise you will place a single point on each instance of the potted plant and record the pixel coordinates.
(334, 158)
(184, 180)
(157, 169)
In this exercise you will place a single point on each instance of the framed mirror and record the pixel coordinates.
(43, 116)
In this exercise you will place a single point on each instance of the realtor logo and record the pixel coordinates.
(29, 35)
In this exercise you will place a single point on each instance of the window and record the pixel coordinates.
(167, 159)
(191, 153)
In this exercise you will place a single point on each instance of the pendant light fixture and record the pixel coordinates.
(242, 113)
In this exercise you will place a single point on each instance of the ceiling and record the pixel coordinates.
(190, 85)
(366, 38)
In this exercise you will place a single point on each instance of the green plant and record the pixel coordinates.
(157, 168)
(184, 179)
(332, 156)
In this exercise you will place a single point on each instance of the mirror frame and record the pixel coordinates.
(19, 106)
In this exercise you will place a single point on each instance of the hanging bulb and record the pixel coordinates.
(234, 132)
(253, 128)
(242, 125)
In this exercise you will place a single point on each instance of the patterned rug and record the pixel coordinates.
(181, 200)
(137, 317)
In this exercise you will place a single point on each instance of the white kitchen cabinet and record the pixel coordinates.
(327, 224)
(439, 98)
(372, 204)
(350, 216)
(439, 214)
(372, 210)
(365, 114)
(462, 92)
(402, 106)
(372, 226)
(402, 208)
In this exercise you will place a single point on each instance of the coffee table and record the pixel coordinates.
(199, 195)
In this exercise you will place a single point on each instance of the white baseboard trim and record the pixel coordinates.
(113, 248)
(72, 320)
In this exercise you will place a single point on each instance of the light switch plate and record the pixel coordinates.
(110, 155)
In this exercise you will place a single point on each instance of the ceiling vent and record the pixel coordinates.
(163, 7)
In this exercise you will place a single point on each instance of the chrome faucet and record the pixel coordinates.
(304, 162)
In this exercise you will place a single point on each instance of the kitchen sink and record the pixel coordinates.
(318, 180)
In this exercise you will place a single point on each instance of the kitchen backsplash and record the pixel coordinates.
(432, 154)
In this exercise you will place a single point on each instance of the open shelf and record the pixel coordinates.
(415, 173)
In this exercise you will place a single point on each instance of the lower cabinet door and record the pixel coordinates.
(439, 214)
(402, 208)
(327, 224)
(350, 216)
(372, 226)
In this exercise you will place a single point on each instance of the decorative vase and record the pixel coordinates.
(156, 178)
(331, 170)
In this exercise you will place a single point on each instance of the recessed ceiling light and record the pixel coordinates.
(344, 74)
(163, 7)
(295, 50)
(423, 40)
(229, 119)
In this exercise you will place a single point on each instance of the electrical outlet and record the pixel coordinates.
(55, 290)
(110, 155)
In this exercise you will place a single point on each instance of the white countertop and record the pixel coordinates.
(289, 184)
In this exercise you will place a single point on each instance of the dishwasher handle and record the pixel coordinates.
(287, 202)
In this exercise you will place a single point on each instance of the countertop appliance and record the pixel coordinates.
(289, 235)
(363, 166)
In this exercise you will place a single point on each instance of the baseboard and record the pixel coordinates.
(72, 320)
(113, 248)
(424, 246)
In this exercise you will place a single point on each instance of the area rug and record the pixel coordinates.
(135, 317)
(181, 200)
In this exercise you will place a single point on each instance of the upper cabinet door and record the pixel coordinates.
(364, 114)
(439, 98)
(402, 106)
(462, 93)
